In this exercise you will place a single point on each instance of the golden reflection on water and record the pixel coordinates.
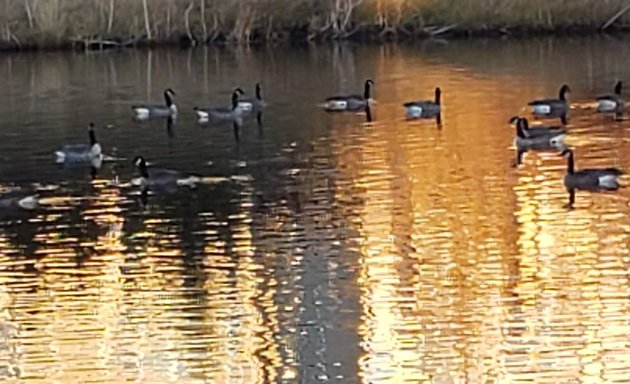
(382, 252)
(450, 293)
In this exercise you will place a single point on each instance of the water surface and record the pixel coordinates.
(322, 247)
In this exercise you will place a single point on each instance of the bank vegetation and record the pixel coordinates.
(106, 23)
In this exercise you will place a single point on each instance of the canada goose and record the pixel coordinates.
(424, 108)
(590, 179)
(611, 103)
(594, 179)
(552, 139)
(546, 107)
(19, 201)
(351, 102)
(222, 113)
(536, 131)
(81, 153)
(252, 103)
(161, 178)
(145, 111)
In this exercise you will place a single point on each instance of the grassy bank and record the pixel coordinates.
(100, 23)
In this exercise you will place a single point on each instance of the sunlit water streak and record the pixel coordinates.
(321, 247)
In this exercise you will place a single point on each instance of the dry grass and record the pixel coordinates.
(29, 23)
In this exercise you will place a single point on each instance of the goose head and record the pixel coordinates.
(520, 122)
(563, 91)
(235, 95)
(141, 164)
(513, 120)
(168, 98)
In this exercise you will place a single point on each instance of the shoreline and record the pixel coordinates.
(68, 24)
(367, 35)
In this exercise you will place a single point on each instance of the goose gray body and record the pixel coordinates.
(81, 153)
(350, 102)
(537, 131)
(223, 113)
(249, 104)
(590, 179)
(551, 107)
(18, 201)
(168, 109)
(613, 102)
(161, 178)
(551, 139)
(424, 108)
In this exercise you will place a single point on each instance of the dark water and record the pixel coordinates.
(320, 247)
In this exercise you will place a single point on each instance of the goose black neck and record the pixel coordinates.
(167, 99)
(234, 100)
(438, 96)
(524, 123)
(570, 163)
(366, 91)
(142, 167)
(92, 137)
(258, 94)
(618, 88)
(520, 128)
(563, 94)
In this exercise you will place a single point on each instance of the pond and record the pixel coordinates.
(316, 247)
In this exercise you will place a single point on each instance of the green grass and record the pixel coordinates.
(53, 23)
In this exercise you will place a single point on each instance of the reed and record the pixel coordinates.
(54, 23)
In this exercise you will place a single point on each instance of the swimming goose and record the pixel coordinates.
(594, 180)
(222, 113)
(351, 102)
(81, 153)
(255, 103)
(18, 200)
(145, 111)
(424, 108)
(161, 178)
(590, 179)
(549, 140)
(538, 130)
(611, 103)
(545, 107)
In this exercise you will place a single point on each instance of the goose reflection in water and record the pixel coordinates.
(18, 202)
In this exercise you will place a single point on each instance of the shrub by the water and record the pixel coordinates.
(54, 23)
